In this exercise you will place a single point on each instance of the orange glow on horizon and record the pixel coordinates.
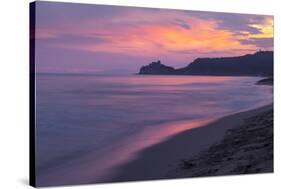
(166, 39)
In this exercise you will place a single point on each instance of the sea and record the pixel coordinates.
(88, 125)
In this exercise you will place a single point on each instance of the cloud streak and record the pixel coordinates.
(159, 33)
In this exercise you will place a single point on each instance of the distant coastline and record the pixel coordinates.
(257, 64)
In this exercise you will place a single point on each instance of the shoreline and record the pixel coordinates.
(163, 160)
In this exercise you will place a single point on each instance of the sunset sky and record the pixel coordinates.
(84, 38)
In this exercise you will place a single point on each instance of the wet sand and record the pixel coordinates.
(236, 144)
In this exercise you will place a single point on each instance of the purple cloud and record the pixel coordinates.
(259, 42)
(79, 25)
(233, 22)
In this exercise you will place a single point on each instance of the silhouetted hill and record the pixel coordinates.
(257, 64)
(157, 68)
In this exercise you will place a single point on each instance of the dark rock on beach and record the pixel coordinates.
(266, 81)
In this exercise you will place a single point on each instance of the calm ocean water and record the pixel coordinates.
(86, 125)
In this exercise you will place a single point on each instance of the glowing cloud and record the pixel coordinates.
(176, 35)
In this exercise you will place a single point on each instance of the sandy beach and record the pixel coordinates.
(237, 144)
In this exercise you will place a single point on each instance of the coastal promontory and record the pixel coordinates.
(257, 64)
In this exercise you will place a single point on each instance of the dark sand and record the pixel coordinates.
(236, 144)
(244, 150)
